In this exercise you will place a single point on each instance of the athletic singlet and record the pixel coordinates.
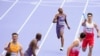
(77, 48)
(89, 28)
(29, 51)
(61, 20)
(14, 48)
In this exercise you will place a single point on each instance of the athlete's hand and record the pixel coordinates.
(98, 35)
(54, 21)
(68, 27)
(85, 20)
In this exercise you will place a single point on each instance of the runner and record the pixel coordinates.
(74, 49)
(33, 46)
(60, 19)
(14, 47)
(89, 26)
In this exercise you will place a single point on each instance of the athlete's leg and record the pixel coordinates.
(84, 45)
(62, 40)
(62, 37)
(58, 32)
(90, 50)
(91, 44)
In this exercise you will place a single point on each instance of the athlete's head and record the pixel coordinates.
(60, 10)
(89, 15)
(82, 35)
(38, 36)
(14, 37)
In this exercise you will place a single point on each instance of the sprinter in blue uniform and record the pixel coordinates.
(33, 46)
(60, 20)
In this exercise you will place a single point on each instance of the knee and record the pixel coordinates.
(90, 48)
(61, 35)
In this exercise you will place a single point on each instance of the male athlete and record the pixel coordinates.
(14, 47)
(74, 48)
(60, 20)
(33, 46)
(89, 26)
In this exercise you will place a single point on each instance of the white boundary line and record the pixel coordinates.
(92, 2)
(9, 9)
(86, 5)
(24, 2)
(48, 32)
(6, 1)
(29, 16)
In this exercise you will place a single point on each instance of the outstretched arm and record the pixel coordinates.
(97, 29)
(66, 22)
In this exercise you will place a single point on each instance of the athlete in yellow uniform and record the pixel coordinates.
(13, 48)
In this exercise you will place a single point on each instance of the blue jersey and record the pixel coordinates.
(61, 20)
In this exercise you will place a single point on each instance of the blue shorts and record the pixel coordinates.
(28, 52)
(59, 28)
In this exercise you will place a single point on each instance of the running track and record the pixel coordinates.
(27, 17)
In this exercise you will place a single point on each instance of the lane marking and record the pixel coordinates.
(77, 31)
(47, 32)
(8, 9)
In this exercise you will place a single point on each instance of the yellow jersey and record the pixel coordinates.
(14, 47)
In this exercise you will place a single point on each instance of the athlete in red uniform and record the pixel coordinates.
(89, 26)
(74, 49)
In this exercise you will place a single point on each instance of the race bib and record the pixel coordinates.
(13, 54)
(89, 30)
(61, 23)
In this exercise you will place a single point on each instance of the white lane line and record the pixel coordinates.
(77, 31)
(9, 9)
(93, 2)
(24, 2)
(33, 11)
(47, 32)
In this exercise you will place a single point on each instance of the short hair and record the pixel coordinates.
(59, 9)
(82, 35)
(38, 36)
(14, 34)
(90, 14)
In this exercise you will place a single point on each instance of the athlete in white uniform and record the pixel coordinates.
(89, 26)
(74, 48)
